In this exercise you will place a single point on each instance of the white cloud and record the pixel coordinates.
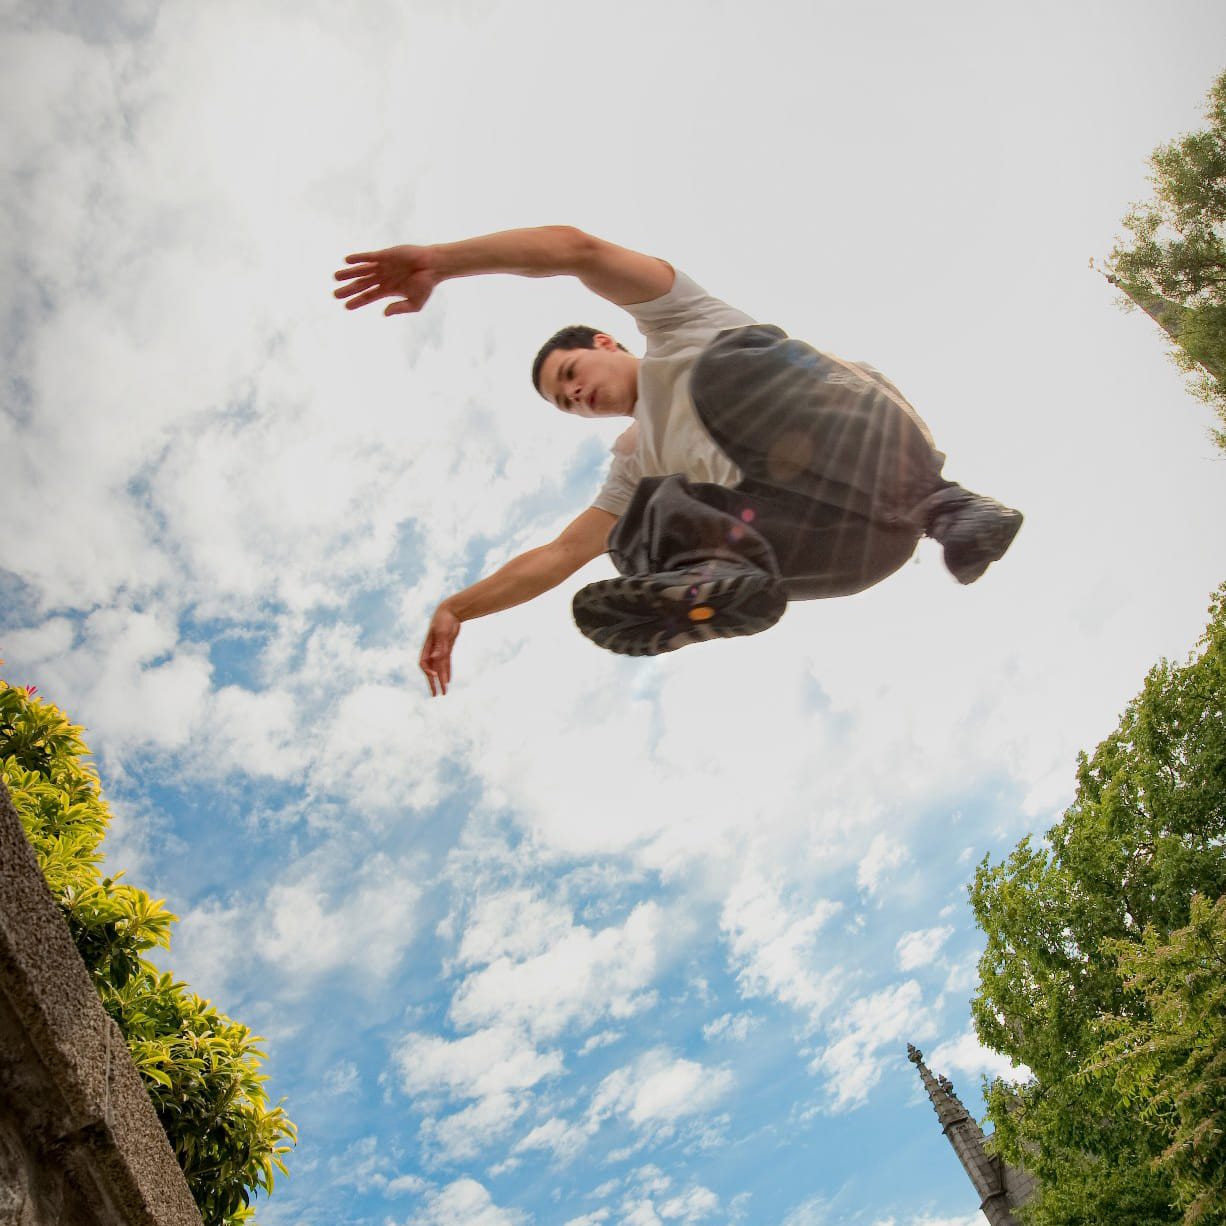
(155, 691)
(974, 1219)
(649, 1179)
(404, 1185)
(380, 750)
(488, 1062)
(650, 1200)
(963, 974)
(133, 679)
(812, 1212)
(852, 1060)
(581, 977)
(208, 946)
(560, 1137)
(919, 948)
(639, 1213)
(360, 1162)
(692, 1205)
(774, 946)
(884, 854)
(965, 1054)
(137, 837)
(735, 1027)
(40, 643)
(317, 923)
(603, 1038)
(515, 924)
(464, 1202)
(466, 1133)
(364, 1163)
(323, 916)
(657, 1090)
(342, 1079)
(256, 733)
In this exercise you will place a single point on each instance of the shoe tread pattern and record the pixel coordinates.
(650, 615)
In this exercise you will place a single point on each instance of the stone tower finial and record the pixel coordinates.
(1001, 1188)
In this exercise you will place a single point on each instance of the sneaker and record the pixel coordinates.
(975, 535)
(647, 615)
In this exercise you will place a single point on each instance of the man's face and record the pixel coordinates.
(600, 382)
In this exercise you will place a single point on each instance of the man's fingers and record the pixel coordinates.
(435, 662)
(359, 270)
(371, 295)
(440, 667)
(347, 291)
(403, 307)
(436, 679)
(431, 675)
(435, 658)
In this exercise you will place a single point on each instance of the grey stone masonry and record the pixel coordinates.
(80, 1142)
(1001, 1188)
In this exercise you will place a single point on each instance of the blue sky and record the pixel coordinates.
(591, 940)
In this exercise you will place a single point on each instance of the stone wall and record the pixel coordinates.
(80, 1142)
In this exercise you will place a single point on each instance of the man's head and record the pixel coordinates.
(587, 373)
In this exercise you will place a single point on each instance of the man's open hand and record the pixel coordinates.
(435, 658)
(405, 273)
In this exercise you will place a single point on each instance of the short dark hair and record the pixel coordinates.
(573, 336)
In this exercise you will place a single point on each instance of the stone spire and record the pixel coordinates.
(1001, 1188)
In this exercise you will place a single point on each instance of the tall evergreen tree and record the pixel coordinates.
(1174, 265)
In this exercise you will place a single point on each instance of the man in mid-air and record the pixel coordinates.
(756, 469)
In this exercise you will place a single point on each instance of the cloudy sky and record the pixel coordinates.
(591, 940)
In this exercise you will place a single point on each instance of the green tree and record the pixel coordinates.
(200, 1068)
(1071, 980)
(1169, 1066)
(1174, 265)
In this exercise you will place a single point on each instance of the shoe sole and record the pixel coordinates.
(653, 614)
(992, 549)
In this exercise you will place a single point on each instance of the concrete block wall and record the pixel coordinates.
(80, 1142)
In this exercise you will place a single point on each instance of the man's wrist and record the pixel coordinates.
(434, 259)
(458, 259)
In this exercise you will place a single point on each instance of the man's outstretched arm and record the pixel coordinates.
(521, 579)
(409, 274)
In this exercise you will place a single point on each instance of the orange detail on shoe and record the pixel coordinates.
(701, 613)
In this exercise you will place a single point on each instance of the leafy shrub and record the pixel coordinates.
(201, 1069)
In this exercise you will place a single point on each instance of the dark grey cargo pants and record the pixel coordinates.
(841, 478)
